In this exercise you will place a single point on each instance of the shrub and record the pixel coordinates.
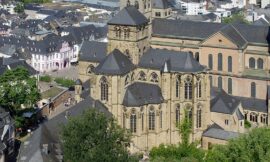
(247, 124)
(64, 82)
(46, 78)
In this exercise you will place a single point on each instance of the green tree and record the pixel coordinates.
(19, 8)
(94, 137)
(254, 146)
(183, 152)
(18, 88)
(239, 17)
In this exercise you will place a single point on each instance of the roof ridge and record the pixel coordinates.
(239, 33)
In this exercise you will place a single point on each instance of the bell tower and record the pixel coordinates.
(129, 32)
(144, 6)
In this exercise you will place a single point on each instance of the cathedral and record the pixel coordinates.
(154, 72)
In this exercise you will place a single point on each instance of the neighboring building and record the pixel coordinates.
(210, 17)
(194, 7)
(161, 9)
(151, 83)
(7, 129)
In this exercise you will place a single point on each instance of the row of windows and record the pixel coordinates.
(118, 32)
(188, 88)
(220, 62)
(136, 4)
(152, 119)
(254, 118)
(230, 84)
(252, 63)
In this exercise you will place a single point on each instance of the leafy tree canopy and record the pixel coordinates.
(19, 8)
(239, 18)
(94, 137)
(17, 88)
(254, 146)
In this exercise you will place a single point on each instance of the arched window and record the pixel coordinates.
(197, 56)
(142, 76)
(127, 80)
(124, 120)
(264, 119)
(260, 63)
(211, 81)
(230, 64)
(230, 85)
(128, 54)
(126, 32)
(220, 62)
(128, 3)
(177, 113)
(199, 118)
(154, 78)
(210, 61)
(189, 115)
(142, 116)
(253, 117)
(133, 122)
(177, 87)
(136, 4)
(199, 89)
(104, 89)
(152, 119)
(117, 31)
(188, 88)
(251, 63)
(219, 83)
(253, 89)
(90, 69)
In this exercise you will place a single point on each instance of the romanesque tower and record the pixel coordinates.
(144, 6)
(128, 32)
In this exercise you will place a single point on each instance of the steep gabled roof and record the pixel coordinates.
(160, 4)
(234, 35)
(217, 132)
(139, 94)
(93, 51)
(128, 16)
(224, 103)
(174, 60)
(115, 63)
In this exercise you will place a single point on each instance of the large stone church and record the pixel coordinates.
(154, 72)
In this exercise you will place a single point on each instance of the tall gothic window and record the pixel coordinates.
(220, 62)
(253, 89)
(189, 115)
(211, 81)
(152, 119)
(199, 118)
(142, 76)
(188, 88)
(197, 56)
(142, 117)
(177, 87)
(104, 89)
(177, 113)
(133, 122)
(126, 33)
(117, 32)
(154, 78)
(210, 61)
(219, 83)
(260, 63)
(230, 85)
(128, 3)
(160, 119)
(199, 89)
(124, 120)
(251, 63)
(136, 4)
(230, 64)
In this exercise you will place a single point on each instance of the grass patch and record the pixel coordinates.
(54, 91)
(64, 82)
(46, 78)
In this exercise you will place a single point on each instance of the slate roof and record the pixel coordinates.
(234, 35)
(160, 4)
(254, 104)
(224, 103)
(261, 22)
(202, 30)
(49, 132)
(115, 63)
(177, 61)
(93, 51)
(139, 94)
(128, 16)
(218, 133)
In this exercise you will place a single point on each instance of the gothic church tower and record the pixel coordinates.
(128, 32)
